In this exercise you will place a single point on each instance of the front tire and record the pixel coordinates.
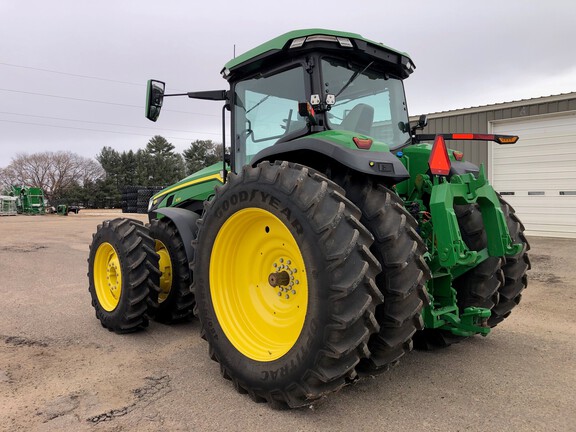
(175, 301)
(123, 275)
(284, 284)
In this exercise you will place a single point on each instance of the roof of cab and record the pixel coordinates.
(280, 42)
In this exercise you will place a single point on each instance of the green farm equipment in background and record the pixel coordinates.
(65, 209)
(29, 200)
(8, 205)
(331, 239)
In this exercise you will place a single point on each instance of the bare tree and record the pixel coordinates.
(5, 182)
(54, 172)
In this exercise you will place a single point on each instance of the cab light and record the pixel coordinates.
(439, 162)
(342, 41)
(362, 143)
(458, 155)
(345, 42)
(297, 43)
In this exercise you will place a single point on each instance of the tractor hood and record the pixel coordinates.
(213, 172)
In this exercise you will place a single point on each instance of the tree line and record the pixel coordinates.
(68, 178)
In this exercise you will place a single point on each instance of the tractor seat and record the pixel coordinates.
(359, 119)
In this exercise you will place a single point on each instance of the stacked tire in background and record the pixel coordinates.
(130, 199)
(135, 198)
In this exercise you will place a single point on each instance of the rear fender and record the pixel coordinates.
(309, 150)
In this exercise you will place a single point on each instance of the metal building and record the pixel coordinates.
(537, 175)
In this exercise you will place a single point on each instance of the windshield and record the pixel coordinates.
(266, 109)
(367, 101)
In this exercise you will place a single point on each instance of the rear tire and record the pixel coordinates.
(477, 287)
(514, 269)
(495, 284)
(175, 301)
(123, 275)
(399, 250)
(285, 350)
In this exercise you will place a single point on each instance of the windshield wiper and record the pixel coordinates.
(261, 101)
(352, 79)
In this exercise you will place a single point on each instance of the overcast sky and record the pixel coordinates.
(73, 72)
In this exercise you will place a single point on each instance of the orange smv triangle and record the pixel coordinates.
(439, 162)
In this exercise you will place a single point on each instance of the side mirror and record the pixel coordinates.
(422, 121)
(154, 99)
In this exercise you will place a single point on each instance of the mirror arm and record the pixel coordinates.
(216, 95)
(176, 94)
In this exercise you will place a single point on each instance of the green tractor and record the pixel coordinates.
(332, 237)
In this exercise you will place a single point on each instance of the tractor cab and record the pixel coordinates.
(312, 82)
(340, 87)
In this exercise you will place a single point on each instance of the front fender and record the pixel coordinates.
(185, 222)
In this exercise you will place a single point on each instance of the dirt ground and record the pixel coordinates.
(61, 371)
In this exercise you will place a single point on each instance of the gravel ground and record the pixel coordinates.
(61, 371)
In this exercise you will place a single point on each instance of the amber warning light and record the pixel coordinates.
(439, 161)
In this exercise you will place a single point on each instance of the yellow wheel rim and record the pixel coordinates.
(165, 265)
(258, 284)
(107, 277)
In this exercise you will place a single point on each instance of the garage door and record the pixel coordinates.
(537, 175)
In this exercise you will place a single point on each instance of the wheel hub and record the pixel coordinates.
(284, 278)
(107, 276)
(112, 277)
(278, 279)
(256, 267)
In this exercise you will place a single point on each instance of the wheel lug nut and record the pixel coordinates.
(288, 262)
(287, 296)
(293, 291)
